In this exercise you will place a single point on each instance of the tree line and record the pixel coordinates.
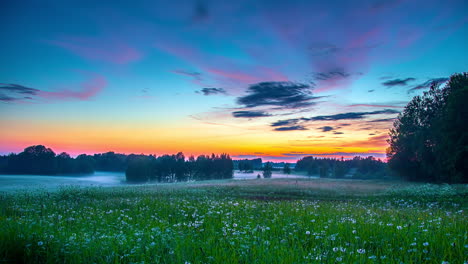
(40, 160)
(172, 168)
(358, 167)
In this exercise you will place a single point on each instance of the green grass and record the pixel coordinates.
(256, 221)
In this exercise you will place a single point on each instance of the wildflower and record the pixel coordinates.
(234, 225)
(445, 262)
(335, 249)
(361, 251)
(40, 243)
(339, 259)
(307, 233)
(426, 244)
(399, 227)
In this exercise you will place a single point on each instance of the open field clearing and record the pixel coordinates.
(242, 221)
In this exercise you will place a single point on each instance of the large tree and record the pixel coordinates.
(429, 141)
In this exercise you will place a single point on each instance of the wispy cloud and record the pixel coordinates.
(350, 115)
(85, 91)
(107, 49)
(282, 94)
(287, 122)
(398, 82)
(428, 83)
(250, 114)
(326, 128)
(212, 91)
(290, 128)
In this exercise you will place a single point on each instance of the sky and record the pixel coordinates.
(272, 79)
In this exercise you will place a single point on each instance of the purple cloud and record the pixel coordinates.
(112, 50)
(21, 94)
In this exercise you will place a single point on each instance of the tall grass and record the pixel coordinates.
(232, 224)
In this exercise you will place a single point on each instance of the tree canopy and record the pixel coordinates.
(428, 141)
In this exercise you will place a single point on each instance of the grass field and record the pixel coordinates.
(252, 221)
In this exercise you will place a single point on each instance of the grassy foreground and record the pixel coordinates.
(255, 221)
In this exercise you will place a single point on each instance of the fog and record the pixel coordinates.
(99, 178)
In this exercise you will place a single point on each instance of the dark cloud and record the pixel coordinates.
(16, 92)
(20, 93)
(326, 128)
(284, 94)
(6, 98)
(292, 123)
(323, 76)
(338, 133)
(212, 91)
(398, 82)
(250, 114)
(428, 83)
(16, 88)
(287, 122)
(290, 128)
(351, 115)
(382, 120)
(370, 91)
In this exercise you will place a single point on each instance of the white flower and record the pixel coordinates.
(426, 244)
(399, 227)
(339, 259)
(445, 262)
(335, 249)
(234, 225)
(361, 251)
(40, 243)
(307, 232)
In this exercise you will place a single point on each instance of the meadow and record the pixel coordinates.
(238, 221)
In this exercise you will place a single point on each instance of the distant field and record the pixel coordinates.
(238, 221)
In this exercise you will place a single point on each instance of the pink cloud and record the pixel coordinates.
(105, 49)
(88, 89)
(220, 69)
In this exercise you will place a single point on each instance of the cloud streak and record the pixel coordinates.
(212, 91)
(249, 114)
(290, 128)
(85, 91)
(398, 82)
(106, 49)
(427, 84)
(282, 94)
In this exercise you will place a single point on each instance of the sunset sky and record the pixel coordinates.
(273, 79)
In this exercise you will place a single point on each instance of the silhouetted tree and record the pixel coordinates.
(287, 169)
(429, 141)
(267, 170)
